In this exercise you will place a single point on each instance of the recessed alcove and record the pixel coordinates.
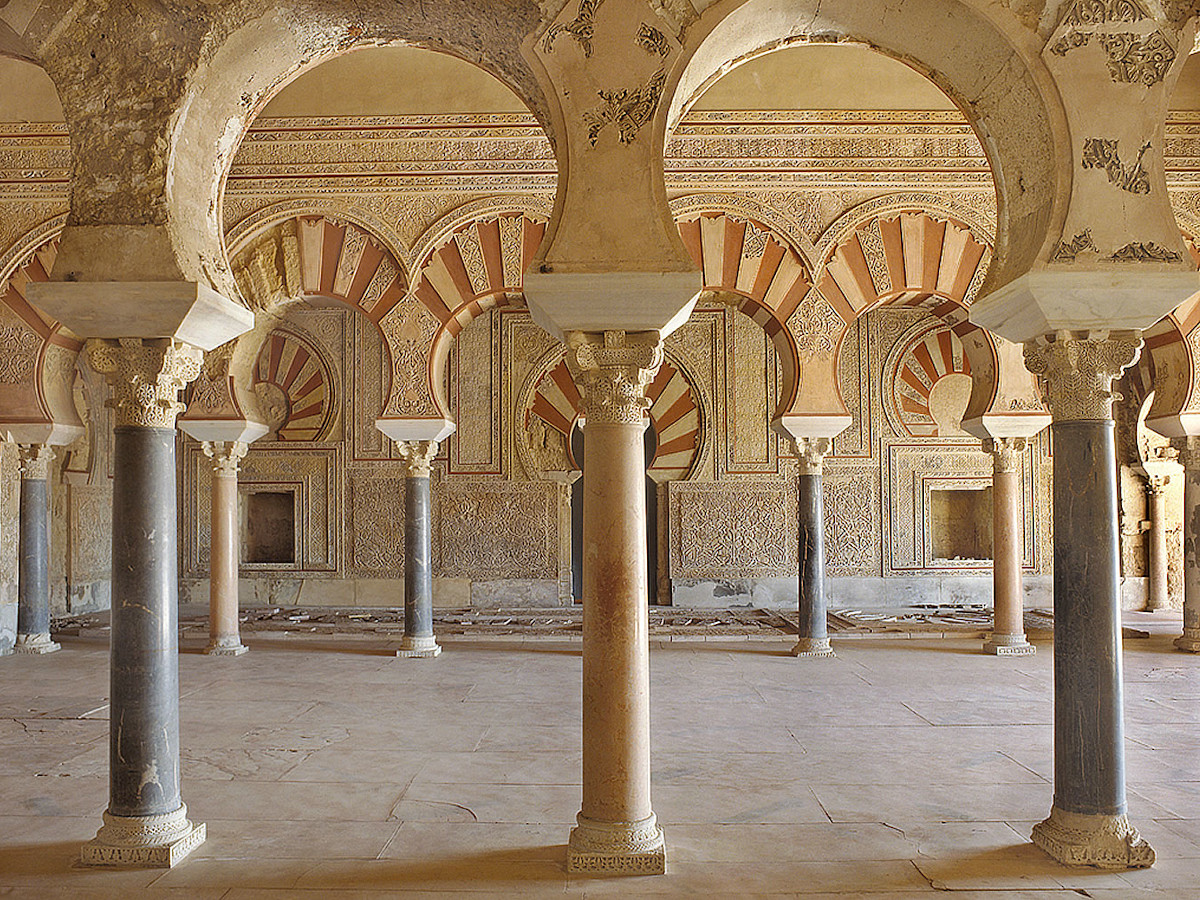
(269, 527)
(960, 523)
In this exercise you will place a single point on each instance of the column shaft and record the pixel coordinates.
(1008, 613)
(1190, 457)
(1157, 562)
(223, 626)
(1087, 823)
(617, 830)
(813, 628)
(146, 822)
(144, 676)
(419, 641)
(33, 592)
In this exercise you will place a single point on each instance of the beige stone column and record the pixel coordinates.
(1008, 537)
(617, 830)
(1156, 558)
(223, 636)
(1189, 457)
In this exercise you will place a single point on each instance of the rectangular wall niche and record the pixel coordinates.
(960, 523)
(269, 527)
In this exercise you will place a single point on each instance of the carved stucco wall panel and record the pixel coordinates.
(492, 529)
(735, 529)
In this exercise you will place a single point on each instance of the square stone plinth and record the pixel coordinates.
(653, 862)
(419, 653)
(156, 856)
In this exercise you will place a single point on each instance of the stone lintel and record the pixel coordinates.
(1007, 425)
(1103, 841)
(1049, 301)
(183, 310)
(46, 432)
(432, 429)
(223, 430)
(596, 302)
(798, 425)
(1185, 424)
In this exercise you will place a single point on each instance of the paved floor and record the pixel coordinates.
(324, 767)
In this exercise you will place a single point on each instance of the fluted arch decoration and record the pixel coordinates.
(475, 266)
(294, 251)
(1170, 362)
(924, 370)
(37, 354)
(748, 264)
(919, 259)
(295, 385)
(551, 405)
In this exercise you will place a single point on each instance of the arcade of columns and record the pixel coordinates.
(1069, 99)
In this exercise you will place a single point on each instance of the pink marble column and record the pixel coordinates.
(1008, 536)
(224, 639)
(617, 830)
(1156, 559)
(1189, 457)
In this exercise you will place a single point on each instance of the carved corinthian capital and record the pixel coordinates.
(1006, 453)
(1079, 370)
(811, 453)
(418, 455)
(614, 368)
(226, 456)
(35, 461)
(146, 376)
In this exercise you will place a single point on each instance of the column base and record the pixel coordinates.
(35, 643)
(1008, 645)
(143, 841)
(419, 647)
(812, 647)
(1189, 640)
(1103, 841)
(226, 647)
(617, 848)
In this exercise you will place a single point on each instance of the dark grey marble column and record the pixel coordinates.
(1087, 823)
(419, 641)
(33, 594)
(813, 634)
(146, 822)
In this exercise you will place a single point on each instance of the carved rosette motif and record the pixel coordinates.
(35, 461)
(614, 369)
(418, 457)
(146, 376)
(811, 453)
(1079, 370)
(226, 456)
(1006, 453)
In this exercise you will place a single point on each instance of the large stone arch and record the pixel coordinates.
(983, 58)
(904, 254)
(149, 168)
(37, 354)
(750, 263)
